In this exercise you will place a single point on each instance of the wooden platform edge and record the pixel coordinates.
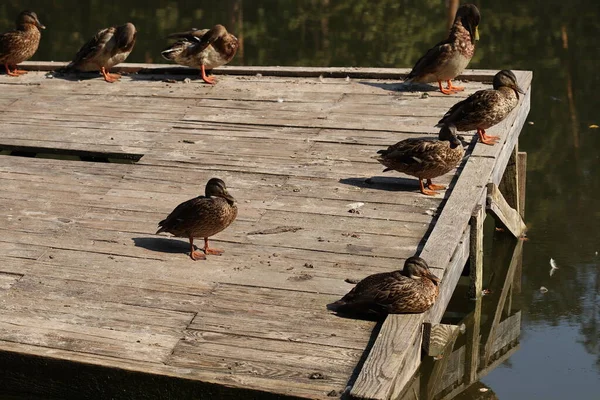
(388, 367)
(284, 71)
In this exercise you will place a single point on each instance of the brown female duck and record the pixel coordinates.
(109, 47)
(412, 290)
(22, 43)
(203, 48)
(485, 108)
(425, 158)
(449, 58)
(203, 216)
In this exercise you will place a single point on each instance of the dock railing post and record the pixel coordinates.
(476, 252)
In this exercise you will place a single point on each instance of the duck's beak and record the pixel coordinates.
(518, 89)
(39, 25)
(228, 197)
(476, 33)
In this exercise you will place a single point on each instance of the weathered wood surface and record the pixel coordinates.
(503, 212)
(83, 278)
(385, 368)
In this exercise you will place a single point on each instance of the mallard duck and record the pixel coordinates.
(22, 43)
(485, 108)
(425, 158)
(203, 216)
(109, 47)
(449, 58)
(412, 290)
(203, 48)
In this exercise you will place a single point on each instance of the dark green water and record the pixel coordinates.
(559, 355)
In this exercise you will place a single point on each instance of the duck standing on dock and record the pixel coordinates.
(412, 290)
(449, 58)
(20, 44)
(425, 158)
(203, 48)
(485, 108)
(203, 216)
(108, 47)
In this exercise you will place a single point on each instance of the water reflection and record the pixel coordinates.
(557, 40)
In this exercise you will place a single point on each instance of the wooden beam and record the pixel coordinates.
(503, 212)
(522, 174)
(473, 324)
(438, 337)
(509, 185)
(476, 252)
(480, 75)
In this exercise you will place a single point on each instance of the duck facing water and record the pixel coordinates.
(449, 58)
(203, 48)
(485, 108)
(108, 47)
(412, 290)
(20, 44)
(425, 158)
(203, 216)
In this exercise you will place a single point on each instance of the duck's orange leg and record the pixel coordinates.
(454, 88)
(445, 91)
(195, 254)
(432, 186)
(207, 250)
(487, 139)
(109, 77)
(205, 78)
(426, 191)
(14, 72)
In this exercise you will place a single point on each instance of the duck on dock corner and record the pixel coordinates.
(21, 43)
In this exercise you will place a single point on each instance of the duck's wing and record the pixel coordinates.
(186, 214)
(470, 108)
(94, 46)
(431, 61)
(411, 151)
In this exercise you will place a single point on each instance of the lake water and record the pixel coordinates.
(559, 352)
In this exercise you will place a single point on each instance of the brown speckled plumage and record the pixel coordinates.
(20, 44)
(108, 47)
(485, 108)
(203, 216)
(449, 58)
(412, 290)
(424, 158)
(203, 48)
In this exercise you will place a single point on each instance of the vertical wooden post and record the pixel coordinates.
(476, 252)
(472, 346)
(509, 185)
(522, 179)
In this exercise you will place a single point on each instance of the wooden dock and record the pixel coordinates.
(92, 302)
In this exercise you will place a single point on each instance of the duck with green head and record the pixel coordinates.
(20, 44)
(449, 58)
(414, 289)
(202, 216)
(485, 108)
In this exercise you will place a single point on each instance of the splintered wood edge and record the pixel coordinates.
(387, 367)
(478, 75)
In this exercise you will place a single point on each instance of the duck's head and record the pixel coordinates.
(416, 268)
(29, 18)
(448, 132)
(508, 79)
(469, 17)
(216, 188)
(125, 35)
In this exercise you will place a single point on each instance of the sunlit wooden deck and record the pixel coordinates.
(86, 286)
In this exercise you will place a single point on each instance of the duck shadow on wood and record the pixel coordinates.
(162, 244)
(401, 86)
(387, 183)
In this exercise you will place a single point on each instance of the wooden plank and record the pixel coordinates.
(522, 173)
(437, 338)
(476, 253)
(509, 217)
(509, 185)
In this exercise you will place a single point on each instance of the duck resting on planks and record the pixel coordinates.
(425, 158)
(449, 58)
(20, 44)
(202, 216)
(414, 289)
(108, 47)
(485, 108)
(203, 48)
